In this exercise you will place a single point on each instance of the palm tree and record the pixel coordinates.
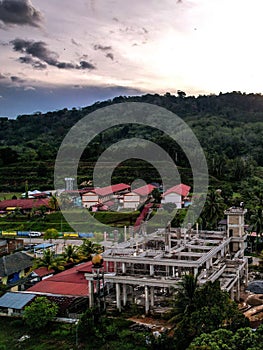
(88, 248)
(213, 209)
(184, 302)
(257, 223)
(71, 254)
(49, 261)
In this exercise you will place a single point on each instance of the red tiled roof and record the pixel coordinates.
(181, 189)
(103, 191)
(48, 286)
(43, 271)
(144, 190)
(24, 203)
(68, 282)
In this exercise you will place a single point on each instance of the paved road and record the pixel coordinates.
(59, 242)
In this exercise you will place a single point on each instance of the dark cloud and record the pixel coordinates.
(102, 48)
(35, 63)
(110, 55)
(105, 49)
(86, 65)
(38, 50)
(16, 79)
(19, 12)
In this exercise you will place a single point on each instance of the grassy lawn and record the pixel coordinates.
(59, 337)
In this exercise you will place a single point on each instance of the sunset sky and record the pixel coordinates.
(65, 53)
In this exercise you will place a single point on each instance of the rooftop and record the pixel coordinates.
(16, 300)
(144, 190)
(181, 189)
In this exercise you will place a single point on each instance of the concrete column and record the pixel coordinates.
(125, 233)
(173, 271)
(147, 305)
(152, 296)
(118, 296)
(207, 264)
(238, 290)
(246, 274)
(123, 267)
(232, 293)
(151, 270)
(124, 294)
(91, 294)
(195, 271)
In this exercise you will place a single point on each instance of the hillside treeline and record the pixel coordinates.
(229, 127)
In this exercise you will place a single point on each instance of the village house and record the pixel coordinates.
(104, 194)
(24, 205)
(14, 268)
(176, 195)
(9, 245)
(14, 303)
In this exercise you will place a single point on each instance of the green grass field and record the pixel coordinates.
(11, 330)
(9, 195)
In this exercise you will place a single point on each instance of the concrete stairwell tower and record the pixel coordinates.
(235, 227)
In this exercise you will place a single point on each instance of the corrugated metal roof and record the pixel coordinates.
(14, 263)
(16, 300)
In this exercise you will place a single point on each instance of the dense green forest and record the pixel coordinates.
(229, 127)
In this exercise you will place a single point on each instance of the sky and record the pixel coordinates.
(61, 53)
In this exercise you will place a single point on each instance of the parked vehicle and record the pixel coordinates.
(35, 234)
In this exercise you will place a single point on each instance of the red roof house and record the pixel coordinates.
(24, 204)
(176, 195)
(71, 282)
(144, 191)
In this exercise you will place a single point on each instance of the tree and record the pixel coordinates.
(223, 339)
(184, 302)
(257, 223)
(39, 313)
(213, 209)
(203, 309)
(53, 203)
(49, 261)
(71, 254)
(50, 234)
(87, 248)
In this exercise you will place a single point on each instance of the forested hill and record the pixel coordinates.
(229, 127)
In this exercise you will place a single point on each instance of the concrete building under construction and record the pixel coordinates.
(147, 268)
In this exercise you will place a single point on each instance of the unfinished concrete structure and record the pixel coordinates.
(150, 266)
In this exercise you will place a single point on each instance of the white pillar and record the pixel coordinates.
(124, 292)
(195, 271)
(151, 270)
(118, 296)
(207, 264)
(125, 233)
(123, 267)
(152, 296)
(91, 294)
(147, 305)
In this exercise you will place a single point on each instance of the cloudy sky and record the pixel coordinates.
(64, 53)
